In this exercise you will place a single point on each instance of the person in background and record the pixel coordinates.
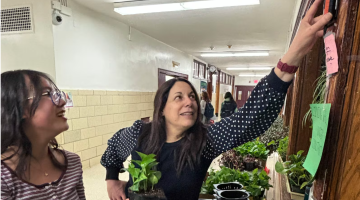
(229, 106)
(205, 100)
(32, 165)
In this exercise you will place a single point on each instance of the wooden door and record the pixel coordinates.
(165, 75)
(242, 93)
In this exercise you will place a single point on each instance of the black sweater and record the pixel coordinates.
(253, 119)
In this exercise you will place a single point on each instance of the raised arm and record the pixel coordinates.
(265, 102)
(253, 119)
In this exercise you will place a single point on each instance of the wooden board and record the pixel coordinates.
(331, 170)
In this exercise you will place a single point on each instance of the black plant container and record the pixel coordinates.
(249, 166)
(145, 196)
(228, 186)
(297, 189)
(232, 195)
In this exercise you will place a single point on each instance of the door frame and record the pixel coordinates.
(170, 73)
(235, 95)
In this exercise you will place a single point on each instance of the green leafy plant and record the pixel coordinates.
(254, 182)
(283, 146)
(318, 95)
(259, 182)
(256, 149)
(144, 178)
(298, 176)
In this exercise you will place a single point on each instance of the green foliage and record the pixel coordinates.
(144, 178)
(297, 174)
(260, 182)
(318, 95)
(276, 132)
(256, 149)
(254, 182)
(283, 146)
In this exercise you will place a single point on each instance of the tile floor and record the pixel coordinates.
(94, 182)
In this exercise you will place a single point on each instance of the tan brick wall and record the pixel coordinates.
(97, 115)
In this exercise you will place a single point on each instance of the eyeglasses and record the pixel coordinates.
(55, 95)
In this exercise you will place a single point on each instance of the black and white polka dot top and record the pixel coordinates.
(254, 118)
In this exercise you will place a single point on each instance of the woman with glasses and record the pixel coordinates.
(32, 165)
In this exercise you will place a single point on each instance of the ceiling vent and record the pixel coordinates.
(16, 20)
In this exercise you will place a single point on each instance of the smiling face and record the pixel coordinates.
(48, 120)
(181, 107)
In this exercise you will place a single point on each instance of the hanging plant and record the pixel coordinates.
(318, 95)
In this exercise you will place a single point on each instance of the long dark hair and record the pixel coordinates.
(205, 96)
(229, 95)
(154, 133)
(14, 102)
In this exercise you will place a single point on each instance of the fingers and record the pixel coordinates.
(312, 11)
(316, 19)
(320, 33)
(319, 25)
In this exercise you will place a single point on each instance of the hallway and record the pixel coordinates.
(110, 57)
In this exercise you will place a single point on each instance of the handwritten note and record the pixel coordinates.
(320, 116)
(332, 63)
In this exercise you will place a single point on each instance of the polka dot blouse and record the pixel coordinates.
(254, 118)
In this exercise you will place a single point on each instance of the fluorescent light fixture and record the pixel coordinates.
(252, 75)
(241, 54)
(131, 10)
(248, 68)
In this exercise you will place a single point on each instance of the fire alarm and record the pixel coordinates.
(256, 81)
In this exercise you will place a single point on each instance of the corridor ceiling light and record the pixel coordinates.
(131, 10)
(248, 68)
(241, 54)
(251, 75)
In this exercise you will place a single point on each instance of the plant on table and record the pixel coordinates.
(259, 183)
(144, 177)
(298, 176)
(254, 182)
(256, 149)
(231, 159)
(250, 162)
(283, 146)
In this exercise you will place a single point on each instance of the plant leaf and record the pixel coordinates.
(304, 184)
(279, 168)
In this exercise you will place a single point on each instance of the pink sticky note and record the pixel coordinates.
(332, 63)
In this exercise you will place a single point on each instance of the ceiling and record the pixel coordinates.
(258, 27)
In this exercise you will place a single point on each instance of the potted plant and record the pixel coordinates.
(231, 159)
(283, 146)
(224, 175)
(249, 162)
(254, 182)
(144, 179)
(256, 149)
(298, 177)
